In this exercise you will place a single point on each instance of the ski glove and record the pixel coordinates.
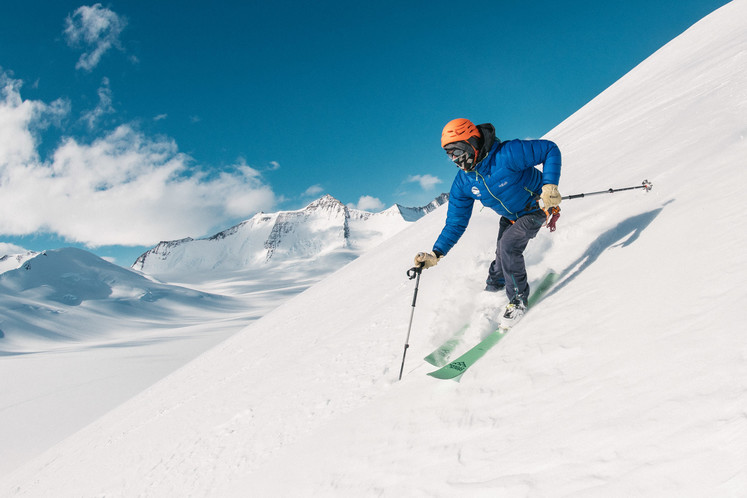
(426, 259)
(550, 196)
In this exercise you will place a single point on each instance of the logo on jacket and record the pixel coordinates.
(476, 191)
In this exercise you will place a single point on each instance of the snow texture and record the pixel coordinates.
(88, 335)
(629, 379)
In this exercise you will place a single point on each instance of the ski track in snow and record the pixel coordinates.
(629, 378)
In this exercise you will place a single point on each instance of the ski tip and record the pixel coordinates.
(450, 371)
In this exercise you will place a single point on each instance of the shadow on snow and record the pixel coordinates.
(629, 229)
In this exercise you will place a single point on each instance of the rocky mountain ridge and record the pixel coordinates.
(324, 228)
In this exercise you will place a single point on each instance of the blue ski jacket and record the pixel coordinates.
(506, 180)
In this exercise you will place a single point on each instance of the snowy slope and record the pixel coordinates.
(55, 298)
(630, 379)
(79, 335)
(86, 335)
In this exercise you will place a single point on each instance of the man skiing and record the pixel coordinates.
(503, 176)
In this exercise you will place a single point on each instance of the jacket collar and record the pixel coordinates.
(487, 131)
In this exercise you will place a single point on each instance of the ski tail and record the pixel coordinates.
(548, 280)
(440, 356)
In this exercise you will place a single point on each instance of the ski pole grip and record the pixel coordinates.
(414, 271)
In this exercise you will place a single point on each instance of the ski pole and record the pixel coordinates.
(646, 185)
(413, 272)
(554, 213)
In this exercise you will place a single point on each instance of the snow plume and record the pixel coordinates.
(96, 29)
(123, 188)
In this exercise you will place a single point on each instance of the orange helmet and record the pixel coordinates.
(457, 130)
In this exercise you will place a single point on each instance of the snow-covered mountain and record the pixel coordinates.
(13, 261)
(57, 298)
(629, 379)
(324, 231)
(79, 335)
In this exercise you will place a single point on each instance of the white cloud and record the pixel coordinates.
(274, 166)
(123, 188)
(17, 142)
(160, 117)
(313, 191)
(368, 203)
(7, 249)
(102, 108)
(427, 182)
(95, 29)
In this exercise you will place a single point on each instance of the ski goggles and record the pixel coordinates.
(457, 149)
(462, 153)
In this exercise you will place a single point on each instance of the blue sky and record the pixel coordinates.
(126, 123)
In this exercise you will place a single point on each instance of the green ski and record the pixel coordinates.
(440, 356)
(461, 364)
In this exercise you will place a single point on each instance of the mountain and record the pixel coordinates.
(325, 230)
(628, 379)
(58, 297)
(13, 261)
(79, 335)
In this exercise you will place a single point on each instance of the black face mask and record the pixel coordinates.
(463, 154)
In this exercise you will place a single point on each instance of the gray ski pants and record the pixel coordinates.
(509, 268)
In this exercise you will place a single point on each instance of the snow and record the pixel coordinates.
(12, 261)
(324, 230)
(629, 379)
(88, 335)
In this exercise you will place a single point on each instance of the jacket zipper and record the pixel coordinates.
(478, 175)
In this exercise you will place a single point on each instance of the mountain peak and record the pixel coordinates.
(325, 228)
(325, 201)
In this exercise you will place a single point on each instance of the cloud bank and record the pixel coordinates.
(123, 188)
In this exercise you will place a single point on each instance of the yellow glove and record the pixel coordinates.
(426, 259)
(550, 196)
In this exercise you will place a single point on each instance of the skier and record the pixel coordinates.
(503, 176)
